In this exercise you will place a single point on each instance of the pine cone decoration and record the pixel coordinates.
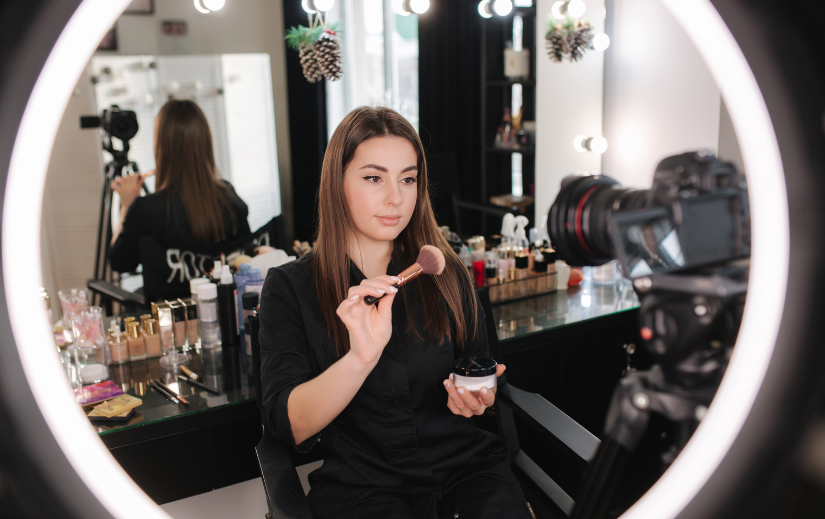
(556, 44)
(328, 55)
(309, 62)
(580, 39)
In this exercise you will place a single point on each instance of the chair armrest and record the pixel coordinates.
(284, 493)
(561, 430)
(114, 292)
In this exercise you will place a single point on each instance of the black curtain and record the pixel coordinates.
(307, 132)
(449, 77)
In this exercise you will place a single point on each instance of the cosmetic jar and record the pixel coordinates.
(474, 373)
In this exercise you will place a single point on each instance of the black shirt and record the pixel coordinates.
(147, 216)
(397, 431)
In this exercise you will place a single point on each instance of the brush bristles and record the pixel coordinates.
(431, 260)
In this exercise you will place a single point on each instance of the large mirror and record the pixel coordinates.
(505, 112)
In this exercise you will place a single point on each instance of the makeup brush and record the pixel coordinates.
(430, 261)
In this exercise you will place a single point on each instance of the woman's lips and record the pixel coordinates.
(389, 220)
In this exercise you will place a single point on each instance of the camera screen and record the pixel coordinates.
(648, 242)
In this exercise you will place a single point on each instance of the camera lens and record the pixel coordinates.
(578, 220)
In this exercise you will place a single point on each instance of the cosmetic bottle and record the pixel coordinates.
(250, 305)
(210, 329)
(179, 324)
(137, 346)
(466, 256)
(118, 346)
(226, 308)
(562, 275)
(240, 282)
(490, 267)
(152, 339)
(475, 373)
(501, 274)
(193, 286)
(479, 272)
(254, 282)
(191, 321)
(163, 314)
(217, 271)
(540, 268)
(143, 319)
(521, 275)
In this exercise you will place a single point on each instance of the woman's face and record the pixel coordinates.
(380, 187)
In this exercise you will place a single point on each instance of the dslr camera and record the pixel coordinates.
(696, 214)
(121, 124)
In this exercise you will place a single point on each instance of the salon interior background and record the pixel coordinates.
(650, 76)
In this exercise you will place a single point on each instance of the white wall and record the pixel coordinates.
(568, 104)
(659, 96)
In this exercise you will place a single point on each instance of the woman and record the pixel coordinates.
(370, 383)
(190, 201)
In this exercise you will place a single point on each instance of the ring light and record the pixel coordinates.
(666, 499)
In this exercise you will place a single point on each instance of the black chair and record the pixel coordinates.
(286, 498)
(167, 267)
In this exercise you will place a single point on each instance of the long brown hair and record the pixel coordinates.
(185, 166)
(336, 226)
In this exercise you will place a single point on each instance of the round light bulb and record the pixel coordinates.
(503, 7)
(601, 41)
(576, 8)
(598, 145)
(484, 9)
(555, 10)
(578, 143)
(307, 8)
(324, 5)
(419, 6)
(201, 8)
(214, 5)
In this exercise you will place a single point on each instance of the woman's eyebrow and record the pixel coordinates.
(374, 166)
(410, 168)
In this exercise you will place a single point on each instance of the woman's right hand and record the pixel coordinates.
(128, 187)
(369, 326)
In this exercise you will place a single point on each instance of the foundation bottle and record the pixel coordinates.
(163, 313)
(137, 347)
(152, 338)
(179, 324)
(143, 319)
(521, 274)
(118, 346)
(191, 321)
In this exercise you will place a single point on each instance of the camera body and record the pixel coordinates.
(695, 214)
(121, 124)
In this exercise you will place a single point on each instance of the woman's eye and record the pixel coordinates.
(409, 180)
(374, 179)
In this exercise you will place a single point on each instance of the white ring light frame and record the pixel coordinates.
(674, 490)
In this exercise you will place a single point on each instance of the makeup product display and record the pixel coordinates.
(152, 339)
(194, 284)
(254, 282)
(137, 346)
(430, 261)
(198, 385)
(250, 305)
(475, 373)
(226, 308)
(118, 346)
(514, 277)
(210, 329)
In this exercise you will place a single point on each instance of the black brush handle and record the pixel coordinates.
(372, 300)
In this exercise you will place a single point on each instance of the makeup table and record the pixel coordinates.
(566, 345)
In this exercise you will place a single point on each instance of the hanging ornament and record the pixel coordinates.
(318, 48)
(328, 54)
(569, 37)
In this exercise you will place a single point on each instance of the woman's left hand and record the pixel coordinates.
(465, 403)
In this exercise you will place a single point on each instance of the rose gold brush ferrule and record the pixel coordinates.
(410, 273)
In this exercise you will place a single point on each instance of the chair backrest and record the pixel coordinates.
(254, 327)
(492, 331)
(168, 267)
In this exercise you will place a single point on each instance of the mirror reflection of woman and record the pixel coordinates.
(370, 385)
(191, 201)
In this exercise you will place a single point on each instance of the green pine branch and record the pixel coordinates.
(297, 37)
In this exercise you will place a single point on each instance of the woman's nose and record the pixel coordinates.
(393, 194)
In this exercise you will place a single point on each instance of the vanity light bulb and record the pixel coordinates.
(555, 10)
(598, 145)
(214, 5)
(201, 8)
(419, 6)
(306, 6)
(578, 143)
(503, 7)
(601, 41)
(484, 9)
(576, 8)
(324, 5)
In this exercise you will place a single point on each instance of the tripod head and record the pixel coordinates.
(689, 320)
(118, 124)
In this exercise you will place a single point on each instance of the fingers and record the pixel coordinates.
(500, 370)
(454, 401)
(465, 403)
(487, 397)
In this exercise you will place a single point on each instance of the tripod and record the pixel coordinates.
(112, 170)
(689, 323)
